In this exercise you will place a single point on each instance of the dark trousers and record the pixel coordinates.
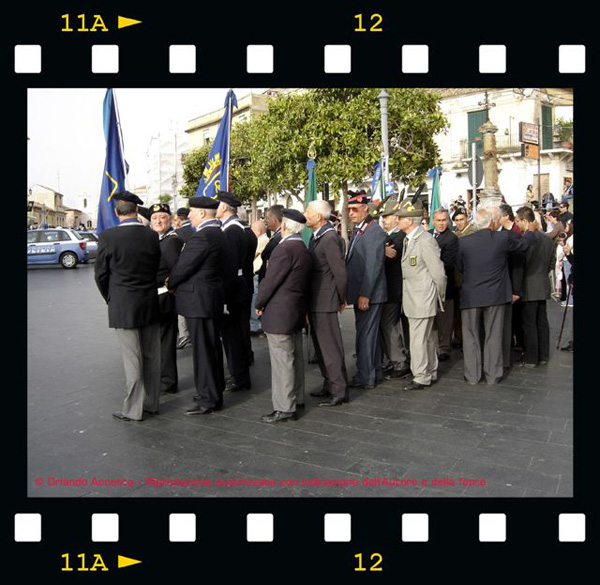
(536, 332)
(236, 349)
(507, 336)
(209, 377)
(368, 347)
(168, 353)
(445, 323)
(517, 323)
(329, 348)
(245, 325)
(457, 317)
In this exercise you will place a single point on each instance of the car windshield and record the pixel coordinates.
(77, 235)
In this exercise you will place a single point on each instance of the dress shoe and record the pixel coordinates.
(170, 391)
(333, 401)
(183, 342)
(120, 416)
(443, 357)
(235, 387)
(416, 386)
(321, 394)
(393, 373)
(356, 384)
(150, 411)
(300, 407)
(530, 366)
(277, 416)
(199, 410)
(568, 347)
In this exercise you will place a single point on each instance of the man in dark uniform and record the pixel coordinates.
(184, 231)
(539, 261)
(235, 319)
(367, 289)
(274, 218)
(391, 328)
(125, 272)
(448, 243)
(248, 272)
(197, 280)
(170, 248)
(328, 284)
(282, 301)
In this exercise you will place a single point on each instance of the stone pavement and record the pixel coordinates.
(512, 439)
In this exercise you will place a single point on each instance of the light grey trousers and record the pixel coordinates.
(287, 370)
(141, 360)
(423, 350)
(184, 332)
(493, 354)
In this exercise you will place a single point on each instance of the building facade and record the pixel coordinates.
(466, 112)
(45, 207)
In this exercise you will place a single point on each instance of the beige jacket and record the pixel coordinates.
(423, 276)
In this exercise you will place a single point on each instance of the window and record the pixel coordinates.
(49, 237)
(64, 237)
(32, 236)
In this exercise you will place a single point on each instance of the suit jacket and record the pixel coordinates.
(539, 261)
(283, 292)
(329, 279)
(423, 276)
(125, 272)
(248, 268)
(448, 243)
(272, 244)
(185, 232)
(170, 248)
(516, 264)
(236, 246)
(197, 278)
(393, 267)
(365, 265)
(482, 258)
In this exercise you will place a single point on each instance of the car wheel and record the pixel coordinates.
(68, 260)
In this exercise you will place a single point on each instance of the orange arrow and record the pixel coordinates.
(123, 22)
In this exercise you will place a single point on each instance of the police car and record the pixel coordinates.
(56, 246)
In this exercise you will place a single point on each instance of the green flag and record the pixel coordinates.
(435, 193)
(311, 195)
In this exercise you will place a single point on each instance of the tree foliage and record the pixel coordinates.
(269, 153)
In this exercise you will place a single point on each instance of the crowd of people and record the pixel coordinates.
(204, 277)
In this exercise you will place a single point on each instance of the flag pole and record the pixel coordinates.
(230, 106)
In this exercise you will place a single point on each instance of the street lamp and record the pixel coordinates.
(383, 98)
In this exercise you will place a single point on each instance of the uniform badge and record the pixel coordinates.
(413, 260)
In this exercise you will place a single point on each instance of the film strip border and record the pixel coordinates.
(337, 528)
(260, 59)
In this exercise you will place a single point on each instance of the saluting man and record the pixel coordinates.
(423, 290)
(197, 280)
(235, 317)
(170, 248)
(125, 272)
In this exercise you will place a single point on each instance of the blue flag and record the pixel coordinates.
(377, 183)
(435, 204)
(113, 178)
(215, 174)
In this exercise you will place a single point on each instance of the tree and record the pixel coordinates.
(165, 198)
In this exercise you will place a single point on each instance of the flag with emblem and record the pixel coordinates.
(113, 178)
(436, 203)
(215, 176)
(377, 186)
(311, 195)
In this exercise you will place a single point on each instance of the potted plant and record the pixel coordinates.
(564, 132)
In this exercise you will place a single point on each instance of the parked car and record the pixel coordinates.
(92, 243)
(56, 246)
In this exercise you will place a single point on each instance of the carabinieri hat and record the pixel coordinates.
(183, 212)
(358, 198)
(127, 196)
(204, 202)
(160, 208)
(228, 198)
(294, 215)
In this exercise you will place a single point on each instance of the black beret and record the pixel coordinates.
(144, 212)
(183, 212)
(160, 208)
(127, 196)
(294, 215)
(228, 198)
(204, 202)
(459, 211)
